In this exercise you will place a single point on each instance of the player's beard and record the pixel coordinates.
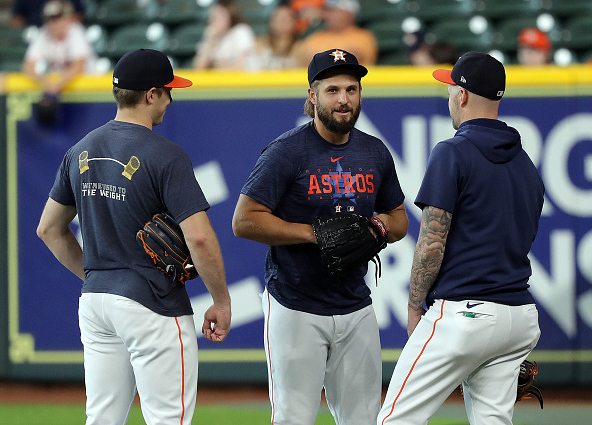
(336, 125)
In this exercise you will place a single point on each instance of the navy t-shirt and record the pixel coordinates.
(300, 176)
(118, 177)
(495, 194)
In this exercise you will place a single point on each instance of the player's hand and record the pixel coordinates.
(216, 323)
(413, 317)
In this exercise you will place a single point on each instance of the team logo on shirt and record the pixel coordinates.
(340, 185)
(128, 169)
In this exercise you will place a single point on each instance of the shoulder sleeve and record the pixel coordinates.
(61, 191)
(79, 48)
(244, 38)
(440, 185)
(181, 192)
(37, 47)
(271, 176)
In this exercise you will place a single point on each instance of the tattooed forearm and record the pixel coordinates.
(429, 252)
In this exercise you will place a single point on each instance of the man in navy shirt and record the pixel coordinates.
(320, 330)
(136, 322)
(481, 199)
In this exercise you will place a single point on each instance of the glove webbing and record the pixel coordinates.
(155, 257)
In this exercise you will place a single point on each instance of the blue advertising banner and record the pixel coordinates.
(224, 139)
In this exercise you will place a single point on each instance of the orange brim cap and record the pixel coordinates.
(443, 75)
(179, 82)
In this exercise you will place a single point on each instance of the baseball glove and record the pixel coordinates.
(349, 241)
(163, 241)
(528, 370)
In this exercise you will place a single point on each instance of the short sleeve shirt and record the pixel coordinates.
(118, 177)
(57, 55)
(301, 176)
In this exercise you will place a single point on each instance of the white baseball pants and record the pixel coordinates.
(306, 352)
(128, 347)
(479, 343)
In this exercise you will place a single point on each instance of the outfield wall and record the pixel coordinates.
(223, 122)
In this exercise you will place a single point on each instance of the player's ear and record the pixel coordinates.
(312, 96)
(464, 97)
(150, 95)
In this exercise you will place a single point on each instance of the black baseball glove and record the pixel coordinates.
(349, 241)
(163, 241)
(528, 370)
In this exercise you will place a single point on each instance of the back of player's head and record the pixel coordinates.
(478, 73)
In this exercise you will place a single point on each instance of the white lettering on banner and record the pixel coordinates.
(391, 293)
(585, 267)
(532, 142)
(410, 167)
(560, 141)
(246, 303)
(556, 291)
(211, 180)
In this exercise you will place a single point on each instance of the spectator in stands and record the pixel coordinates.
(57, 55)
(444, 53)
(276, 49)
(228, 40)
(309, 14)
(534, 47)
(417, 49)
(29, 12)
(423, 53)
(341, 32)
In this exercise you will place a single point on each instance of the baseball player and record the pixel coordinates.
(481, 199)
(320, 330)
(136, 322)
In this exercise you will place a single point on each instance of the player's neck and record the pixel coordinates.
(329, 136)
(134, 116)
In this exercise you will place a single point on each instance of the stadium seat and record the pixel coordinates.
(256, 12)
(586, 57)
(389, 34)
(97, 37)
(183, 40)
(505, 34)
(568, 8)
(377, 10)
(13, 46)
(136, 36)
(499, 9)
(436, 10)
(577, 34)
(464, 33)
(392, 59)
(176, 12)
(113, 13)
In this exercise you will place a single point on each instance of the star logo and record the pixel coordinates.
(338, 55)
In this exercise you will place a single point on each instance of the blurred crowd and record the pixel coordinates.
(61, 38)
(294, 31)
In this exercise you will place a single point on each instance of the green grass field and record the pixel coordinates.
(258, 414)
(66, 414)
(53, 414)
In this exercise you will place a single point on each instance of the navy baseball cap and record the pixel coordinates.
(477, 72)
(146, 68)
(331, 59)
